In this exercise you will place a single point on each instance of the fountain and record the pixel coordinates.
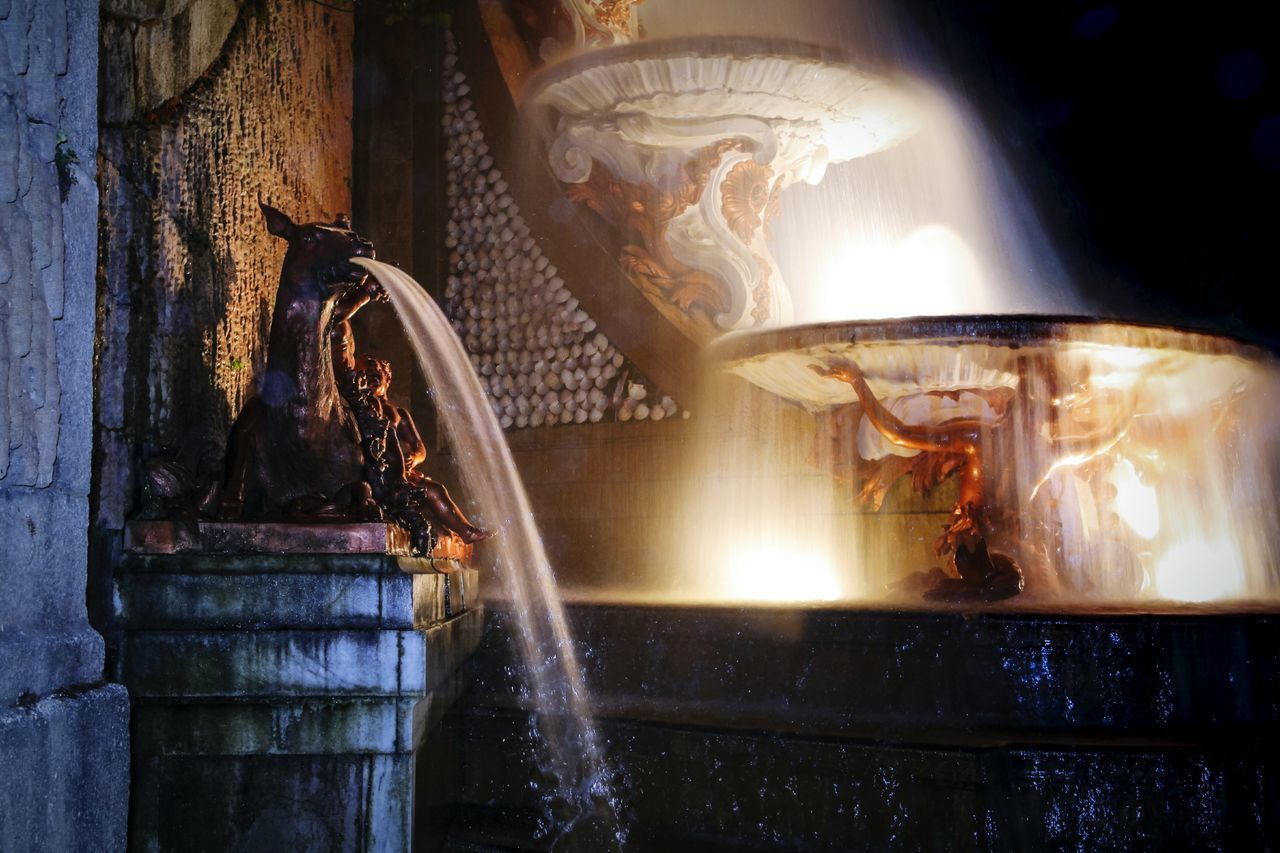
(684, 146)
(882, 688)
(321, 468)
(1105, 569)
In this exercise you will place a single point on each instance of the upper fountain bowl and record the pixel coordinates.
(685, 144)
(798, 104)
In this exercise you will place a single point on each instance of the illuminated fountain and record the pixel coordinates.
(1090, 435)
(1113, 473)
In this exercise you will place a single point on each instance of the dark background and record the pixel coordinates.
(1148, 136)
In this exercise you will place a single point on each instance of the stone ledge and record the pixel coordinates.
(220, 537)
(169, 537)
(911, 675)
(267, 665)
(281, 727)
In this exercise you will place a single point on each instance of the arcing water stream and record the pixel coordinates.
(573, 756)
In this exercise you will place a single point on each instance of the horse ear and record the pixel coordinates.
(278, 223)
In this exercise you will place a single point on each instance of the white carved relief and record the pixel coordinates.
(645, 111)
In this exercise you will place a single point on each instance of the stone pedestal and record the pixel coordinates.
(278, 698)
(835, 729)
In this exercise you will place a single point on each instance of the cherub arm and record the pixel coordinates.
(356, 298)
(412, 445)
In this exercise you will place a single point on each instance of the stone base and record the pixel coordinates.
(66, 764)
(795, 729)
(228, 537)
(278, 699)
(286, 802)
(225, 537)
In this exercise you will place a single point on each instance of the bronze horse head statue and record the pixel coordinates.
(295, 444)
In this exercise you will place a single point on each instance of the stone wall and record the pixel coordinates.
(209, 106)
(63, 732)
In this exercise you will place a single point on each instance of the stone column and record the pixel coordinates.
(63, 731)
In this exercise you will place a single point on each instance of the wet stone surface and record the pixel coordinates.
(826, 729)
(258, 680)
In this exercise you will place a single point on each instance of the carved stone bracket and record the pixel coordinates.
(601, 23)
(685, 146)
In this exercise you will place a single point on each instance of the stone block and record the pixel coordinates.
(260, 680)
(254, 802)
(287, 591)
(247, 665)
(437, 597)
(42, 572)
(67, 757)
(264, 601)
(323, 726)
(40, 660)
(450, 644)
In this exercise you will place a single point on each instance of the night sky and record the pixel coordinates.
(1148, 135)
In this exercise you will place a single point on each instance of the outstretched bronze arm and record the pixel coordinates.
(952, 437)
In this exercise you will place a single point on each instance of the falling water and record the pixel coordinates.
(1130, 465)
(573, 755)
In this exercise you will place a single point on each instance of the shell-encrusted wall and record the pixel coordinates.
(539, 355)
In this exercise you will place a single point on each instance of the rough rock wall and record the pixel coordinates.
(63, 733)
(188, 272)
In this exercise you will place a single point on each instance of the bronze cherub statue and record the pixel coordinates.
(393, 450)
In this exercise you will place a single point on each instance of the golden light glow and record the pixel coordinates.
(931, 270)
(1136, 503)
(771, 572)
(1201, 570)
(1136, 472)
(1128, 358)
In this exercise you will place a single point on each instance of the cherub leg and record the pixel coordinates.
(437, 503)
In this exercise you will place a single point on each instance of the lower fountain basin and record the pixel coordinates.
(1122, 462)
(830, 728)
(941, 353)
